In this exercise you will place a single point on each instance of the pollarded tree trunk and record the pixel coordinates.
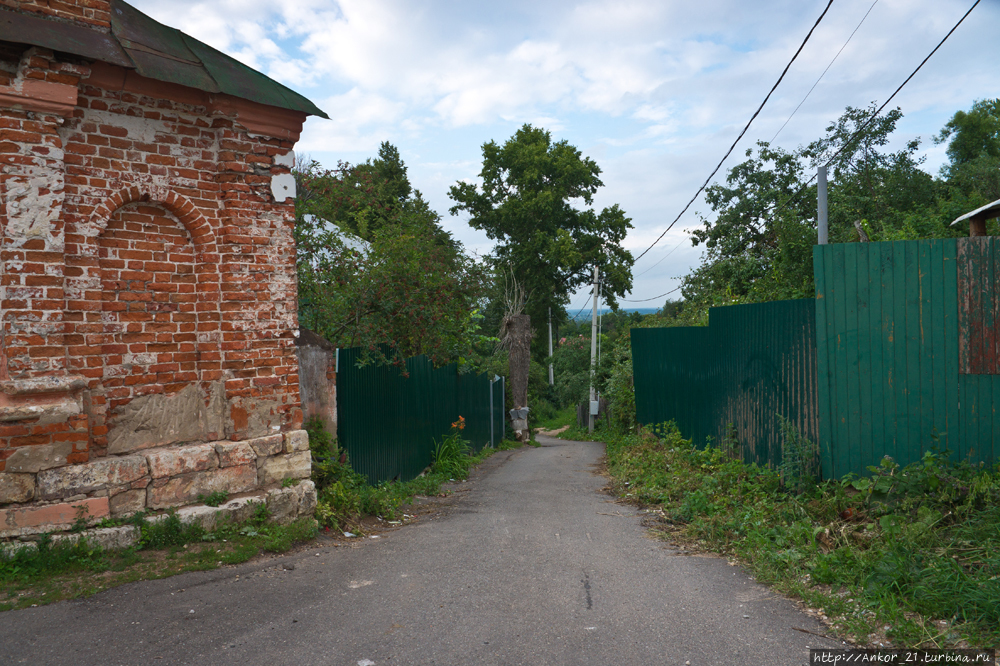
(518, 334)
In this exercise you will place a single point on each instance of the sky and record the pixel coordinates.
(654, 91)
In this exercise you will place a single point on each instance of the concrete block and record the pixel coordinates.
(115, 538)
(185, 489)
(34, 459)
(296, 440)
(11, 549)
(16, 487)
(175, 461)
(108, 538)
(289, 466)
(45, 412)
(282, 505)
(306, 491)
(38, 519)
(75, 479)
(242, 508)
(161, 419)
(206, 516)
(128, 503)
(232, 454)
(267, 446)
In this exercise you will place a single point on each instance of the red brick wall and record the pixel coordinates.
(96, 13)
(164, 260)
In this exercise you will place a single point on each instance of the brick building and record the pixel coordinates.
(147, 268)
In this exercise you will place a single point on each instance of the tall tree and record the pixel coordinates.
(759, 239)
(526, 203)
(972, 133)
(376, 270)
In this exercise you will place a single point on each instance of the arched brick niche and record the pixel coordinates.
(148, 338)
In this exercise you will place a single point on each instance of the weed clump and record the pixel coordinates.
(345, 496)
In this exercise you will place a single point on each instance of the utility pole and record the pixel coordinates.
(822, 219)
(552, 381)
(593, 356)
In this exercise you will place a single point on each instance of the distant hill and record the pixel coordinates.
(585, 314)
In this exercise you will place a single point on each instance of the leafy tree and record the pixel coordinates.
(972, 134)
(869, 184)
(759, 241)
(526, 204)
(376, 270)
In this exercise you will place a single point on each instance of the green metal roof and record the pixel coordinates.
(155, 51)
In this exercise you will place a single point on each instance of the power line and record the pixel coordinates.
(870, 120)
(824, 72)
(747, 127)
(643, 300)
(660, 260)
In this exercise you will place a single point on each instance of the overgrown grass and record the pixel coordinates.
(563, 417)
(909, 553)
(167, 546)
(346, 497)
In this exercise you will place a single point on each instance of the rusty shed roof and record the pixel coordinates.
(155, 51)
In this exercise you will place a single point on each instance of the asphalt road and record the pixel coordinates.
(529, 564)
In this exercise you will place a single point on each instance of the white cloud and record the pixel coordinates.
(655, 91)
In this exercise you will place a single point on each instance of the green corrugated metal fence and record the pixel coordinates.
(905, 345)
(750, 364)
(389, 423)
(906, 350)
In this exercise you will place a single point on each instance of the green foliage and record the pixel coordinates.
(345, 496)
(896, 550)
(525, 204)
(758, 240)
(169, 530)
(800, 466)
(66, 569)
(972, 134)
(451, 454)
(217, 498)
(50, 558)
(376, 270)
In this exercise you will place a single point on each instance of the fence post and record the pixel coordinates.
(503, 404)
(491, 412)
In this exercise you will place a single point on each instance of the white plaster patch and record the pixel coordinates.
(283, 186)
(288, 159)
(33, 202)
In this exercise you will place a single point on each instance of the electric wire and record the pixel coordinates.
(824, 72)
(747, 127)
(871, 119)
(643, 300)
(795, 197)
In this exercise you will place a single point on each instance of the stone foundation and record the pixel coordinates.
(36, 500)
(283, 504)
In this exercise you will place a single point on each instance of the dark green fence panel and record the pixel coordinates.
(907, 350)
(388, 423)
(733, 378)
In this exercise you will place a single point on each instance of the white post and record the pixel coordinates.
(822, 221)
(593, 356)
(552, 381)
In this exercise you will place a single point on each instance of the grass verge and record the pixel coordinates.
(67, 571)
(563, 417)
(346, 497)
(907, 556)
